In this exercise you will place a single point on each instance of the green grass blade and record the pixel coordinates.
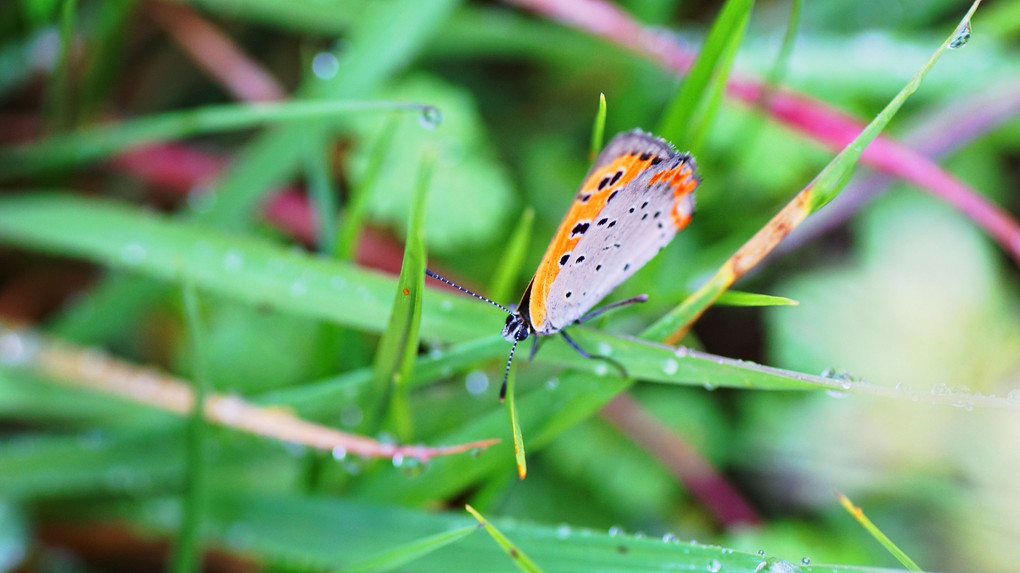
(261, 273)
(875, 532)
(522, 561)
(399, 345)
(95, 143)
(515, 425)
(404, 554)
(825, 187)
(697, 91)
(354, 215)
(738, 298)
(509, 269)
(59, 95)
(323, 193)
(188, 552)
(598, 129)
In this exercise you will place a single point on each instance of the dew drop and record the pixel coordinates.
(476, 382)
(601, 369)
(714, 566)
(350, 416)
(962, 36)
(552, 383)
(430, 117)
(708, 386)
(133, 253)
(325, 65)
(805, 561)
(939, 389)
(670, 366)
(1013, 395)
(563, 531)
(339, 453)
(233, 260)
(761, 553)
(298, 289)
(605, 349)
(16, 348)
(669, 538)
(615, 531)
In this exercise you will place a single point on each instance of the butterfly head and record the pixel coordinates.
(516, 328)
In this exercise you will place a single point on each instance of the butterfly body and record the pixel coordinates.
(635, 198)
(637, 195)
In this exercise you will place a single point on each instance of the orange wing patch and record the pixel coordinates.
(683, 182)
(599, 189)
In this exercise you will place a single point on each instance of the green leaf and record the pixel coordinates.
(875, 532)
(403, 554)
(522, 561)
(738, 298)
(515, 425)
(187, 553)
(598, 129)
(95, 143)
(398, 348)
(509, 269)
(702, 88)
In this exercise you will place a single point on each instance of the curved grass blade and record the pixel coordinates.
(519, 558)
(875, 532)
(404, 554)
(598, 130)
(510, 264)
(399, 345)
(690, 112)
(95, 143)
(322, 191)
(354, 214)
(187, 553)
(515, 425)
(739, 298)
(674, 325)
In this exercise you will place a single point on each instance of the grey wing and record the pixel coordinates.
(628, 232)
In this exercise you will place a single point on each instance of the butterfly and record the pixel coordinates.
(636, 196)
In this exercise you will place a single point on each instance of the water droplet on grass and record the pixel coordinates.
(476, 382)
(325, 65)
(805, 561)
(962, 36)
(615, 531)
(670, 366)
(133, 253)
(714, 566)
(298, 289)
(669, 538)
(601, 369)
(430, 117)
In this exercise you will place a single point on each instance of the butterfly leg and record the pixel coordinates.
(617, 365)
(608, 307)
(534, 348)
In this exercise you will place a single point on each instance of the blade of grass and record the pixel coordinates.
(323, 192)
(188, 551)
(59, 96)
(354, 215)
(264, 274)
(522, 561)
(707, 79)
(738, 298)
(404, 554)
(98, 142)
(510, 264)
(674, 325)
(875, 532)
(399, 345)
(515, 425)
(598, 129)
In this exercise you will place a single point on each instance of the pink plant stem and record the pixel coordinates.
(683, 461)
(822, 122)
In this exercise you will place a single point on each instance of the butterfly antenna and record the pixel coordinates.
(506, 373)
(472, 293)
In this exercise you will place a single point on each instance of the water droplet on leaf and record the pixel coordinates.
(962, 36)
(430, 117)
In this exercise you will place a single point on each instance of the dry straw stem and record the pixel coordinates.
(89, 368)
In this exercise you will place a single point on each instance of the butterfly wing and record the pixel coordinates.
(635, 198)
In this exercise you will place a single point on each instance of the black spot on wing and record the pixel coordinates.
(611, 195)
(579, 229)
(564, 259)
(616, 177)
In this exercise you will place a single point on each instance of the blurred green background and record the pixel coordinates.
(901, 291)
